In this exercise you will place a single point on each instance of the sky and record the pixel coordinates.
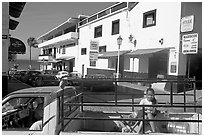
(37, 18)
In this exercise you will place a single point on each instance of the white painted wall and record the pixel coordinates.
(167, 27)
(107, 39)
(167, 24)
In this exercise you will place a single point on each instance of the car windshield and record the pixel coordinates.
(13, 103)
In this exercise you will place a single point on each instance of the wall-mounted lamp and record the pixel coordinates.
(161, 41)
(131, 37)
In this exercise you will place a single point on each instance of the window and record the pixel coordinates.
(127, 64)
(115, 27)
(102, 49)
(112, 63)
(149, 18)
(83, 51)
(98, 31)
(63, 50)
(93, 63)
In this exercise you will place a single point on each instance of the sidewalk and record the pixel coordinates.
(165, 98)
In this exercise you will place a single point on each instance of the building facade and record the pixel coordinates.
(59, 46)
(152, 41)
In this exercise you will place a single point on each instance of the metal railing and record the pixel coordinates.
(133, 104)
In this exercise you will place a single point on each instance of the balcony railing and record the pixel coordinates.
(66, 37)
(45, 57)
(110, 10)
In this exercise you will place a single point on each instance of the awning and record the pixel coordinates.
(13, 24)
(49, 61)
(141, 52)
(16, 46)
(65, 58)
(16, 8)
(110, 54)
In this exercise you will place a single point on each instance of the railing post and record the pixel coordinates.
(184, 95)
(116, 96)
(194, 89)
(143, 120)
(133, 103)
(81, 108)
(62, 113)
(171, 93)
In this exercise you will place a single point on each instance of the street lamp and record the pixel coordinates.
(119, 41)
(131, 37)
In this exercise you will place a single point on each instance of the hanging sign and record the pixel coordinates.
(190, 43)
(187, 23)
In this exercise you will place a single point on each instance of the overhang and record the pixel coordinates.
(16, 46)
(49, 61)
(142, 52)
(13, 24)
(110, 54)
(69, 23)
(16, 8)
(65, 58)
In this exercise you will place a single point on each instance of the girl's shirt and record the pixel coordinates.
(147, 102)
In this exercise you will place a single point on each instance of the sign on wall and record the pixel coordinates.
(94, 49)
(187, 23)
(94, 45)
(93, 56)
(173, 60)
(190, 43)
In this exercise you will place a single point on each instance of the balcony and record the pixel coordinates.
(45, 57)
(69, 37)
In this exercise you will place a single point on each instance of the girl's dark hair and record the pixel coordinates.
(149, 89)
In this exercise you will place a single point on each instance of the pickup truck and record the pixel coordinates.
(63, 113)
(18, 109)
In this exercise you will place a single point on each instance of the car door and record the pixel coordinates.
(18, 115)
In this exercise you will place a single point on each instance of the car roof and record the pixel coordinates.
(40, 90)
(20, 70)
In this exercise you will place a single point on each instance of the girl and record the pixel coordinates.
(150, 112)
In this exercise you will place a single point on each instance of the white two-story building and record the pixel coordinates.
(59, 46)
(152, 41)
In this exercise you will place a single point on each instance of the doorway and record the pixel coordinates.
(158, 65)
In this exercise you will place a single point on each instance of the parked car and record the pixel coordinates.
(19, 74)
(53, 72)
(45, 80)
(30, 75)
(72, 79)
(75, 74)
(11, 73)
(61, 74)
